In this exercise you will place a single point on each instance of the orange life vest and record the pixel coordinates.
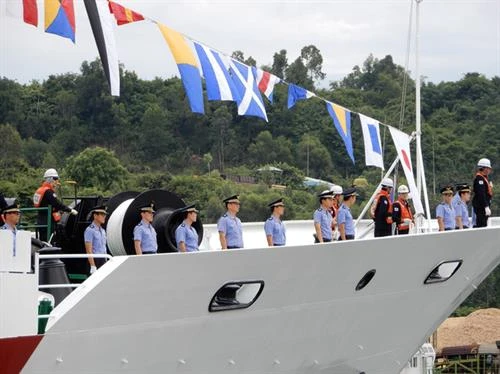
(38, 196)
(405, 214)
(485, 178)
(375, 204)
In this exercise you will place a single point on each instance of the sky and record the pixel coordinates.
(457, 36)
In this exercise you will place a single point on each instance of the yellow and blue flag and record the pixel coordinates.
(60, 18)
(188, 67)
(342, 121)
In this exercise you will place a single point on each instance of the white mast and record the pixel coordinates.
(420, 161)
(417, 99)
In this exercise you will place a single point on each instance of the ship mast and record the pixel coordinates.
(421, 184)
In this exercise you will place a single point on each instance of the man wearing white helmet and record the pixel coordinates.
(483, 192)
(401, 211)
(44, 196)
(381, 209)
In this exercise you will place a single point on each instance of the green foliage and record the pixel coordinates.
(97, 167)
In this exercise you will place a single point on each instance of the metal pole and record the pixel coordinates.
(417, 98)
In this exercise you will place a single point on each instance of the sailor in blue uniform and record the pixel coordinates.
(345, 220)
(323, 218)
(144, 233)
(186, 236)
(460, 206)
(229, 226)
(445, 213)
(274, 227)
(94, 237)
(11, 215)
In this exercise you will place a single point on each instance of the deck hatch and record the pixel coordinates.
(236, 295)
(443, 271)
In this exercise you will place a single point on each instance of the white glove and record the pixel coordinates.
(407, 221)
(73, 212)
(487, 211)
(92, 269)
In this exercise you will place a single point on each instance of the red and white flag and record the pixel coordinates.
(402, 143)
(26, 10)
(265, 82)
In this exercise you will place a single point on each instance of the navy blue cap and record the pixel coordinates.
(99, 209)
(148, 208)
(326, 194)
(350, 192)
(190, 208)
(232, 199)
(13, 208)
(278, 202)
(446, 190)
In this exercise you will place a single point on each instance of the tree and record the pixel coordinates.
(296, 73)
(313, 61)
(97, 167)
(280, 63)
(207, 159)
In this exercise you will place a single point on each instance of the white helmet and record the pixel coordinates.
(484, 163)
(403, 189)
(336, 189)
(51, 173)
(387, 182)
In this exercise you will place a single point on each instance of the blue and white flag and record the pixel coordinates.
(250, 102)
(219, 84)
(371, 138)
(296, 93)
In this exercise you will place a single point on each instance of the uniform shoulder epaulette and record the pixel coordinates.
(270, 218)
(92, 226)
(225, 215)
(3, 228)
(139, 224)
(183, 225)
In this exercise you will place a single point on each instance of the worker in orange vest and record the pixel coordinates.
(401, 211)
(44, 196)
(381, 209)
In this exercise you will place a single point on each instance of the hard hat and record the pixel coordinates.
(403, 189)
(51, 173)
(336, 189)
(387, 182)
(484, 163)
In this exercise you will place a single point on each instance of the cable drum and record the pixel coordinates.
(124, 216)
(114, 229)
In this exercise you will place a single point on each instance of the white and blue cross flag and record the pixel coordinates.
(250, 102)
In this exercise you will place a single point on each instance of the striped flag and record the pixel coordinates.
(102, 25)
(265, 82)
(25, 9)
(219, 83)
(124, 15)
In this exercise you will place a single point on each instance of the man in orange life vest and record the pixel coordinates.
(44, 196)
(401, 211)
(381, 210)
(483, 192)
